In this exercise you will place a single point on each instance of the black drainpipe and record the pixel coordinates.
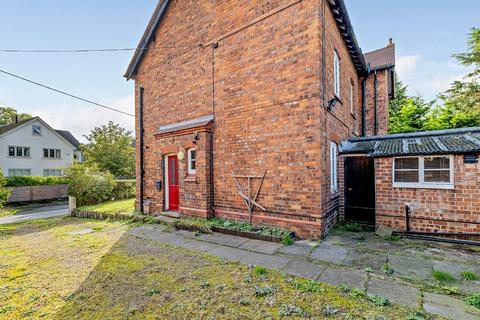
(142, 169)
(375, 85)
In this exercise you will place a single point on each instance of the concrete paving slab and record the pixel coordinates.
(453, 268)
(245, 257)
(330, 253)
(81, 232)
(395, 292)
(469, 287)
(340, 276)
(165, 237)
(295, 250)
(411, 267)
(261, 246)
(197, 245)
(303, 269)
(449, 307)
(223, 239)
(362, 259)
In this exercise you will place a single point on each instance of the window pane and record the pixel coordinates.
(437, 176)
(437, 163)
(11, 151)
(26, 152)
(57, 154)
(45, 153)
(19, 152)
(173, 180)
(406, 176)
(11, 172)
(52, 153)
(406, 163)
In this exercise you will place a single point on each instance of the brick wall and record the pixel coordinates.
(433, 210)
(382, 103)
(263, 84)
(38, 193)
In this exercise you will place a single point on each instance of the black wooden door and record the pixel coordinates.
(360, 190)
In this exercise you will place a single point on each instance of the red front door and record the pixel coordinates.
(173, 195)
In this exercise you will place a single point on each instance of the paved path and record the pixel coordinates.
(324, 262)
(41, 212)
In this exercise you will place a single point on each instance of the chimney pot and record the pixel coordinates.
(390, 41)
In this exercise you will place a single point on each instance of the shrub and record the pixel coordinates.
(89, 185)
(30, 181)
(4, 192)
(124, 189)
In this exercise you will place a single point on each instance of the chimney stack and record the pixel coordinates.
(390, 42)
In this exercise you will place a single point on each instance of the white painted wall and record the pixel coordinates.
(22, 137)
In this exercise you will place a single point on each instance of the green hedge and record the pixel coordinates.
(28, 181)
(124, 189)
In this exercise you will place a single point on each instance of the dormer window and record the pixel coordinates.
(36, 130)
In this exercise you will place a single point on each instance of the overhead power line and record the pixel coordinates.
(66, 93)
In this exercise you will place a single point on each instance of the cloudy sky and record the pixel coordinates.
(426, 34)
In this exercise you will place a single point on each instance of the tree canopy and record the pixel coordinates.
(458, 107)
(110, 148)
(7, 115)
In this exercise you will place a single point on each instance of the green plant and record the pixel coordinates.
(357, 293)
(443, 276)
(89, 185)
(287, 310)
(393, 238)
(244, 302)
(260, 271)
(204, 284)
(471, 276)
(4, 192)
(264, 291)
(352, 227)
(368, 270)
(387, 269)
(308, 285)
(378, 301)
(152, 292)
(124, 189)
(449, 290)
(329, 310)
(195, 225)
(27, 181)
(287, 240)
(473, 300)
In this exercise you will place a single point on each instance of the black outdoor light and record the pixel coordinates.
(332, 103)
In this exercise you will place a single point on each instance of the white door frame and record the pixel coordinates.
(167, 201)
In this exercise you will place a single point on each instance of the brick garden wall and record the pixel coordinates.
(38, 193)
(433, 210)
(263, 84)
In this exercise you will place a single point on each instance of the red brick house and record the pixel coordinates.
(229, 92)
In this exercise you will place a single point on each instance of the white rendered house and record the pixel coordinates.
(33, 148)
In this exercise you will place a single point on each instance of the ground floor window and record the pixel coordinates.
(19, 172)
(192, 161)
(423, 172)
(333, 167)
(52, 173)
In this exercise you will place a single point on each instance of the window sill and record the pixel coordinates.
(424, 186)
(191, 178)
(334, 194)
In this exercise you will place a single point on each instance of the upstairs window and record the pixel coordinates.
(336, 73)
(192, 161)
(434, 172)
(351, 98)
(52, 153)
(333, 167)
(36, 130)
(18, 151)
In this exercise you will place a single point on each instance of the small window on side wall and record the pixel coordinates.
(192, 161)
(336, 73)
(435, 172)
(36, 130)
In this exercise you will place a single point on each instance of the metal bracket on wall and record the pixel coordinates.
(247, 199)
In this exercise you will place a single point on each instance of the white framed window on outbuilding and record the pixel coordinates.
(427, 172)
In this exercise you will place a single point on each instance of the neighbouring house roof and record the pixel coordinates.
(65, 135)
(69, 137)
(382, 58)
(189, 124)
(452, 141)
(337, 6)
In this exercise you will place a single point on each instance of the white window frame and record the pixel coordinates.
(333, 167)
(54, 153)
(19, 169)
(351, 97)
(15, 152)
(56, 173)
(190, 170)
(421, 184)
(336, 73)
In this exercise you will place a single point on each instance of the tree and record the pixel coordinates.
(110, 148)
(460, 105)
(8, 114)
(407, 113)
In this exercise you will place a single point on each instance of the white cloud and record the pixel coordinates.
(80, 118)
(407, 65)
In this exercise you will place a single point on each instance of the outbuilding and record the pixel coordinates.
(425, 182)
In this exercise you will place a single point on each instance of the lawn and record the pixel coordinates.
(117, 206)
(83, 269)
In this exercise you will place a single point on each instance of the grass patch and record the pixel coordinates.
(48, 271)
(112, 207)
(387, 269)
(194, 225)
(470, 276)
(259, 270)
(443, 276)
(473, 300)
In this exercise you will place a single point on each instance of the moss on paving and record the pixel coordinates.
(117, 206)
(54, 269)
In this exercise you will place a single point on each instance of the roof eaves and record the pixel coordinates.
(146, 38)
